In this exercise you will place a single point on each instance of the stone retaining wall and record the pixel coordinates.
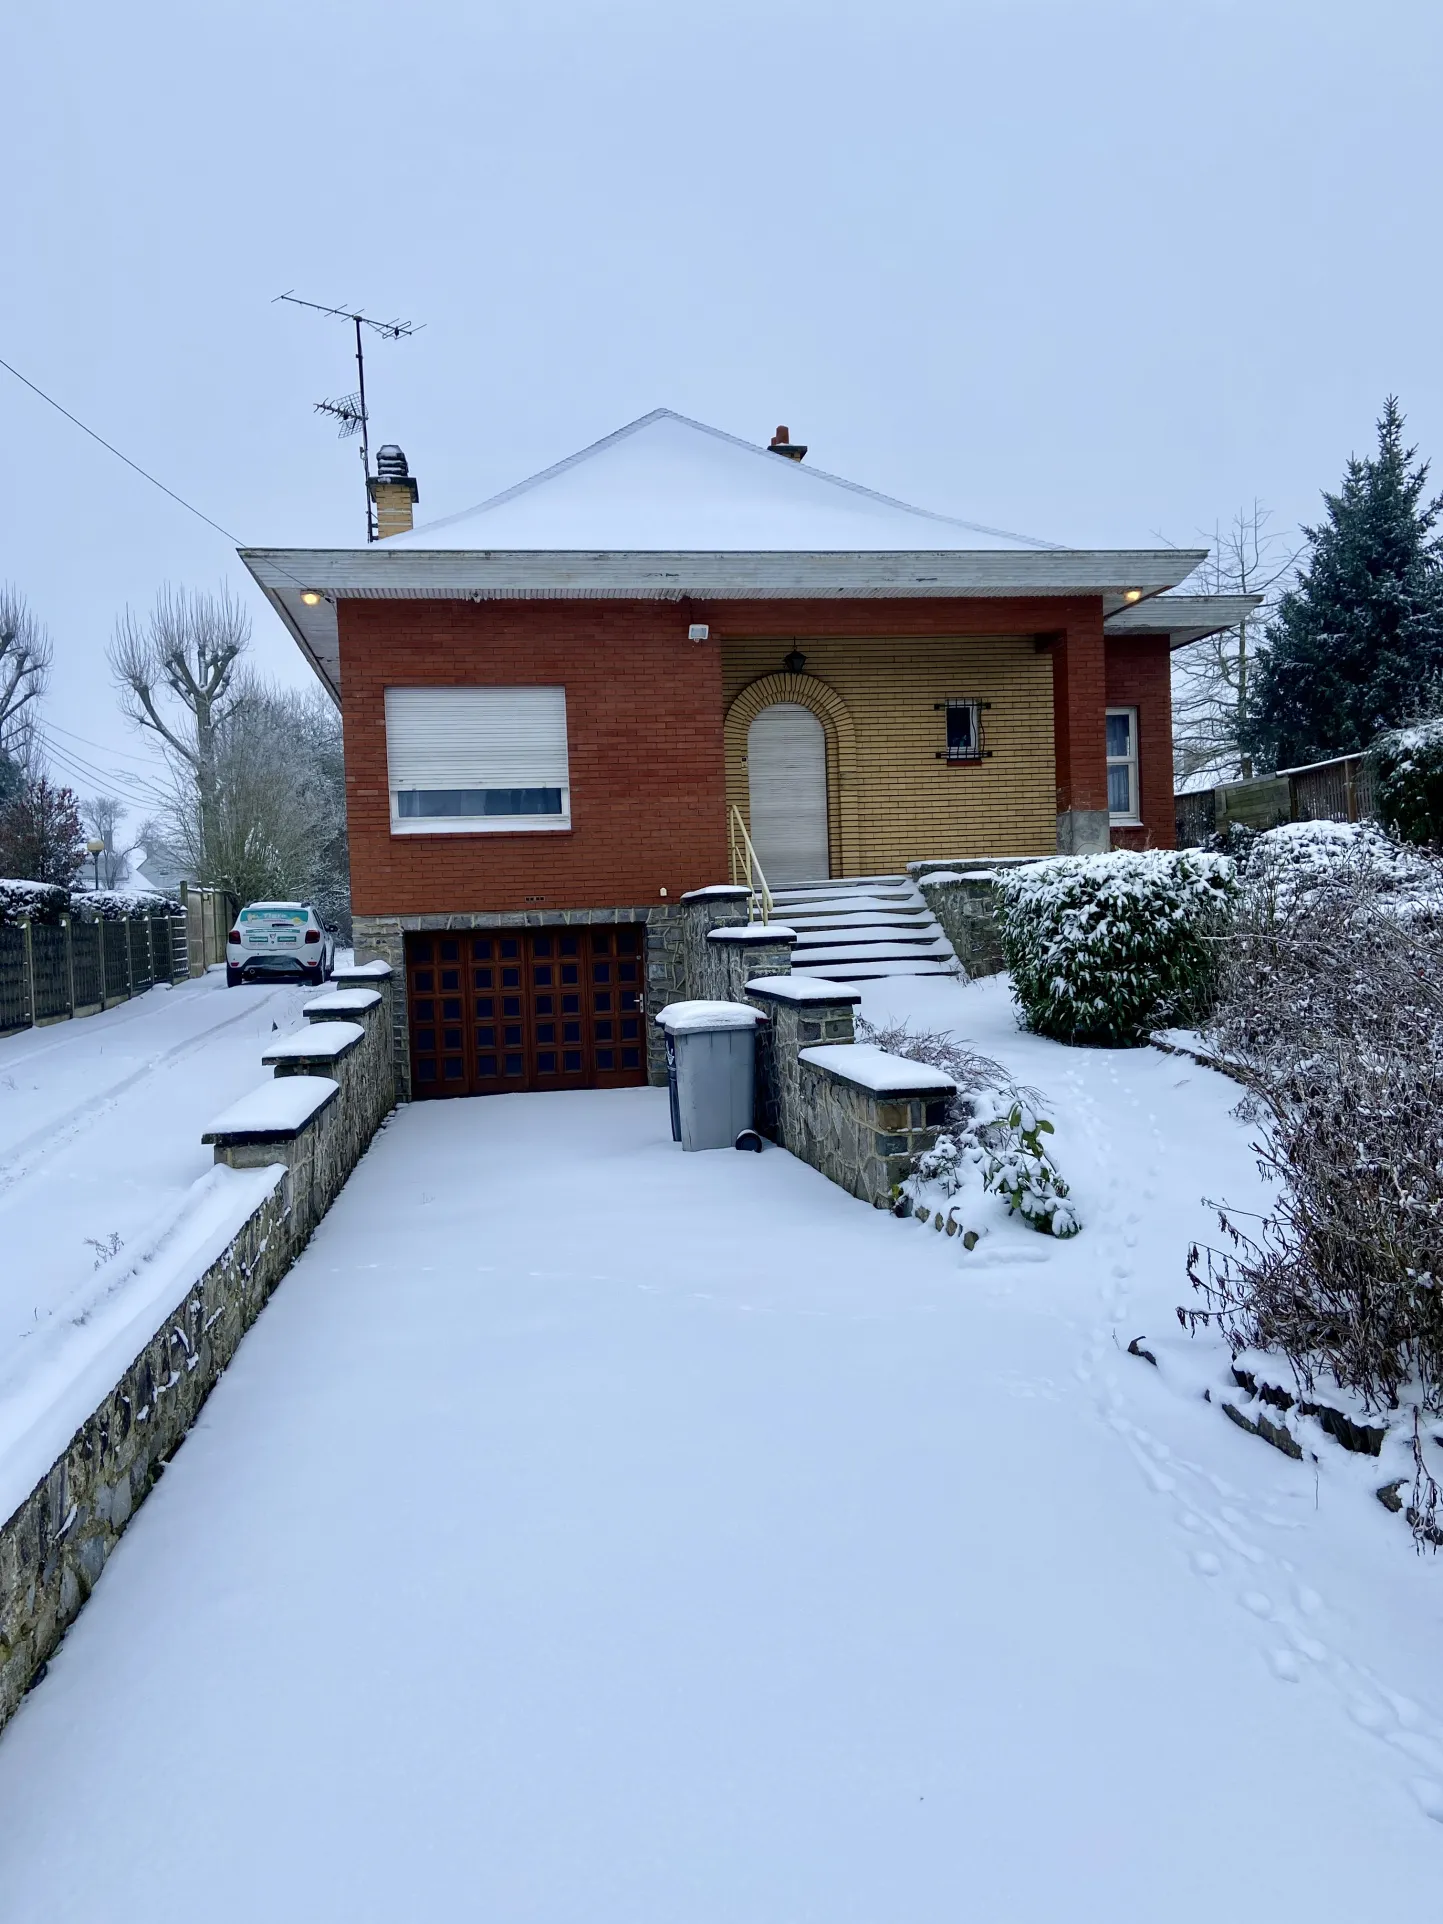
(966, 908)
(54, 1547)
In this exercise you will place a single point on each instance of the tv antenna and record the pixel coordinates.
(350, 409)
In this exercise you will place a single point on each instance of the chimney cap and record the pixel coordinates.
(783, 444)
(391, 463)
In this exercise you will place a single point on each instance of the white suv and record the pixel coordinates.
(279, 939)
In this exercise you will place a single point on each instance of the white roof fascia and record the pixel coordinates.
(382, 574)
(1182, 618)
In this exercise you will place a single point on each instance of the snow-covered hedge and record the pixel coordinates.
(31, 901)
(121, 905)
(48, 901)
(1408, 772)
(1289, 865)
(1104, 948)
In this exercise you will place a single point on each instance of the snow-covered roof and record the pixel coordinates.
(668, 508)
(666, 481)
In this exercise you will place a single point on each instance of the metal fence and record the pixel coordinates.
(52, 971)
(1338, 790)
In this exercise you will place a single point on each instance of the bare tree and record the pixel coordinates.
(276, 825)
(177, 672)
(102, 816)
(1210, 677)
(24, 670)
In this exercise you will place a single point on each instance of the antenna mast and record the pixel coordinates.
(350, 409)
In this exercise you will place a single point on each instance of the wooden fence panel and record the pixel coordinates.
(14, 981)
(85, 941)
(50, 990)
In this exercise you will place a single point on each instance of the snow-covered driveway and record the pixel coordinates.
(100, 1127)
(592, 1532)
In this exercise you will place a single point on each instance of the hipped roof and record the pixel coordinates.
(670, 509)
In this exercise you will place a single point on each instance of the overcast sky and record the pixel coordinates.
(1095, 271)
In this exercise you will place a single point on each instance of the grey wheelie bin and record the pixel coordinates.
(711, 1065)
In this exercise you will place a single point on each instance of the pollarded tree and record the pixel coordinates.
(177, 672)
(1357, 645)
(24, 670)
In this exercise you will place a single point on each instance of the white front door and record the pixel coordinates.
(787, 786)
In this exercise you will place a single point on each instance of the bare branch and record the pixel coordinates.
(25, 655)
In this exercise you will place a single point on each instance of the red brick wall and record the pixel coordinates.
(1139, 675)
(644, 717)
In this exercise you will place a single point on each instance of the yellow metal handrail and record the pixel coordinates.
(747, 870)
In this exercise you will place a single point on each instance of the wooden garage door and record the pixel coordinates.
(499, 1009)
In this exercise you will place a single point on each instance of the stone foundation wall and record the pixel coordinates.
(862, 1139)
(966, 908)
(54, 1547)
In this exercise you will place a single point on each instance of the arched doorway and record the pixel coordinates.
(787, 794)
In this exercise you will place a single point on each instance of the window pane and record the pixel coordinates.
(1119, 789)
(1119, 734)
(422, 804)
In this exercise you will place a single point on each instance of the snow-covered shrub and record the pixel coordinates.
(123, 905)
(1105, 948)
(1408, 773)
(1330, 1009)
(993, 1137)
(33, 901)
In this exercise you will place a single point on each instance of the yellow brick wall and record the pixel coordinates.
(890, 801)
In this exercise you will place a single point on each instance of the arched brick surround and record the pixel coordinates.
(841, 739)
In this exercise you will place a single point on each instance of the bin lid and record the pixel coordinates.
(682, 1018)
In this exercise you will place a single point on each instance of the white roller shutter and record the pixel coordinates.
(478, 739)
(787, 792)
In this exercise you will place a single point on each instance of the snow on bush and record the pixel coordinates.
(992, 1144)
(33, 901)
(1105, 948)
(48, 901)
(1330, 1007)
(122, 905)
(1408, 772)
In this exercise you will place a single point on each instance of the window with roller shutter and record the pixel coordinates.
(477, 760)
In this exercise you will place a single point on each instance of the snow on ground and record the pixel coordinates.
(591, 1530)
(101, 1169)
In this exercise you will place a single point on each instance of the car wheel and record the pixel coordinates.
(316, 976)
(233, 977)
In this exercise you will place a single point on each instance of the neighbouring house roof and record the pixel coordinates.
(670, 509)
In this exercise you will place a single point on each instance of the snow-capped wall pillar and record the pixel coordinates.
(733, 956)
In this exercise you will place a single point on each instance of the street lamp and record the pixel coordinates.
(95, 849)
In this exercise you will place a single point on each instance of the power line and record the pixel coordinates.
(50, 400)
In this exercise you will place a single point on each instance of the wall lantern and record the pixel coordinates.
(795, 663)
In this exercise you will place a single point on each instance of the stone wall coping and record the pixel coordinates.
(718, 892)
(754, 932)
(341, 1003)
(691, 1018)
(376, 971)
(955, 875)
(873, 1069)
(327, 1041)
(276, 1112)
(801, 988)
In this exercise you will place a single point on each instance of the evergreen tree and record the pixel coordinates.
(41, 839)
(1357, 644)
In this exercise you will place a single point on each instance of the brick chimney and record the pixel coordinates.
(782, 443)
(394, 492)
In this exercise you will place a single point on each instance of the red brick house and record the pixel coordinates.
(553, 701)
